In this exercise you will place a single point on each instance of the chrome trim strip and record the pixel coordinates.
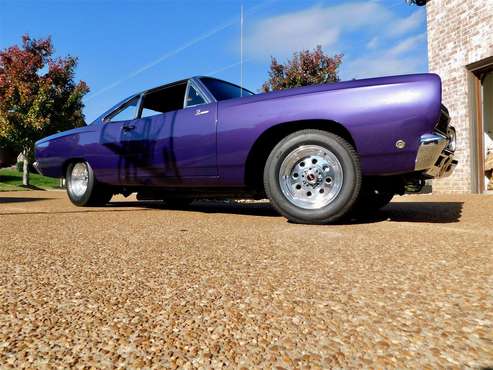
(201, 86)
(192, 83)
(36, 167)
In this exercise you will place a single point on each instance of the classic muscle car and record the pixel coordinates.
(317, 152)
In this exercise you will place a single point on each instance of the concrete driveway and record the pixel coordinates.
(224, 285)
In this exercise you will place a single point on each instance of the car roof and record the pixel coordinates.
(159, 87)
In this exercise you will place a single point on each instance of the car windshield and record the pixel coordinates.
(223, 90)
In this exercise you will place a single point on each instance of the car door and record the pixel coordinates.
(173, 140)
(194, 135)
(116, 166)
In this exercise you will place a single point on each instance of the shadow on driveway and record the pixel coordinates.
(20, 199)
(423, 212)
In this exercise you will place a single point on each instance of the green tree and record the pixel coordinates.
(38, 95)
(304, 68)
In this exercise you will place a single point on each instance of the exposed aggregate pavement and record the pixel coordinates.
(221, 285)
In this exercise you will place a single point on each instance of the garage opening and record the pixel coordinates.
(488, 129)
(481, 110)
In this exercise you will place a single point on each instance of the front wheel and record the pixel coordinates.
(313, 177)
(82, 187)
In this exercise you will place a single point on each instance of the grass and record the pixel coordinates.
(11, 180)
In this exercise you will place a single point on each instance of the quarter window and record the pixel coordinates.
(194, 97)
(223, 90)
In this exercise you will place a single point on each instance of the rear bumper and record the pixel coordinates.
(435, 156)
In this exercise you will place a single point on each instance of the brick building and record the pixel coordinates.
(460, 50)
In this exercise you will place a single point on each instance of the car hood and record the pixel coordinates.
(63, 134)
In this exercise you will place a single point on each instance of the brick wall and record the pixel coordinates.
(460, 32)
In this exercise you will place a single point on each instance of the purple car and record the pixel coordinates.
(317, 152)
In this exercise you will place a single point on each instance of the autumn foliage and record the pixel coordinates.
(305, 68)
(38, 94)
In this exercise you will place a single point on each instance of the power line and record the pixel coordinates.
(172, 53)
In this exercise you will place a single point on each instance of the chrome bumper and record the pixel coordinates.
(36, 167)
(435, 157)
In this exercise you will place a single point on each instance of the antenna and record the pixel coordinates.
(241, 50)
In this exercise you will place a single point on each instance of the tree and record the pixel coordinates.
(38, 95)
(305, 68)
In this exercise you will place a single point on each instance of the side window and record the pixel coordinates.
(162, 100)
(127, 112)
(146, 112)
(194, 97)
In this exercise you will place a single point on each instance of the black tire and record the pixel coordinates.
(95, 194)
(349, 184)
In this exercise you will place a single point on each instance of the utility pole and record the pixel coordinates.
(241, 50)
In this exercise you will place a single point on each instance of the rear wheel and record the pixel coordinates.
(83, 188)
(312, 176)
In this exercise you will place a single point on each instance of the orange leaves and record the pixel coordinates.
(304, 68)
(38, 94)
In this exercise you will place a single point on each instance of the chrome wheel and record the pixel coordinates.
(79, 179)
(311, 177)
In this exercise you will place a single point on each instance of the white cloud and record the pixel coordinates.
(389, 43)
(407, 45)
(373, 43)
(399, 59)
(281, 35)
(402, 26)
(376, 66)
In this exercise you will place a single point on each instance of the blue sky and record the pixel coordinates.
(126, 46)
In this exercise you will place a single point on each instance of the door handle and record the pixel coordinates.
(128, 128)
(199, 112)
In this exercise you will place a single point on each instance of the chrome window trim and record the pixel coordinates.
(192, 83)
(195, 81)
(121, 107)
(160, 88)
(250, 93)
(200, 85)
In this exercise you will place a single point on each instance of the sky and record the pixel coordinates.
(125, 46)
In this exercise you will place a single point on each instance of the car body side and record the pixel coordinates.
(372, 114)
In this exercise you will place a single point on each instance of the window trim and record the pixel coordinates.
(205, 91)
(226, 82)
(191, 83)
(107, 118)
(195, 81)
(156, 89)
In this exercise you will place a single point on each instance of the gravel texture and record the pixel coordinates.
(236, 286)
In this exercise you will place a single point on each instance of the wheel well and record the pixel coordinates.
(67, 163)
(254, 169)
